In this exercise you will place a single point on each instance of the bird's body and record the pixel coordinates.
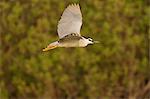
(73, 40)
(69, 30)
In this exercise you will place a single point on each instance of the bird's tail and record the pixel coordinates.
(51, 46)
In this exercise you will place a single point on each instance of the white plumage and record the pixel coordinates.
(71, 21)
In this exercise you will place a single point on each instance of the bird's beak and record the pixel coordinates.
(96, 42)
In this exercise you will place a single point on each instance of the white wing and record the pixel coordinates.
(71, 21)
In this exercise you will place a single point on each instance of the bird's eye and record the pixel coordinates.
(90, 39)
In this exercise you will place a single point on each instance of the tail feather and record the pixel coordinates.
(51, 46)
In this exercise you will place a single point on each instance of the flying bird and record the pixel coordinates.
(69, 30)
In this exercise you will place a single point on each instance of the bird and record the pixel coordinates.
(68, 30)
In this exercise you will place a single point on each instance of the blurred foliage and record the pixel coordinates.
(117, 68)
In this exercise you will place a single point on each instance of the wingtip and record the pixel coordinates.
(74, 5)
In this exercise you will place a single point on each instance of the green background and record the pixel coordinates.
(117, 68)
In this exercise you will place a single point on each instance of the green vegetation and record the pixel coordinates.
(115, 69)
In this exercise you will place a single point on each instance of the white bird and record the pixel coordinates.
(69, 30)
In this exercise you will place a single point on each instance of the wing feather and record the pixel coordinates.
(71, 21)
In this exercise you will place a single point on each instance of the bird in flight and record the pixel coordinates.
(69, 30)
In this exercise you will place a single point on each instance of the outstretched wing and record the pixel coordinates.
(71, 21)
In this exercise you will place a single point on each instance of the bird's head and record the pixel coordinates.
(90, 41)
